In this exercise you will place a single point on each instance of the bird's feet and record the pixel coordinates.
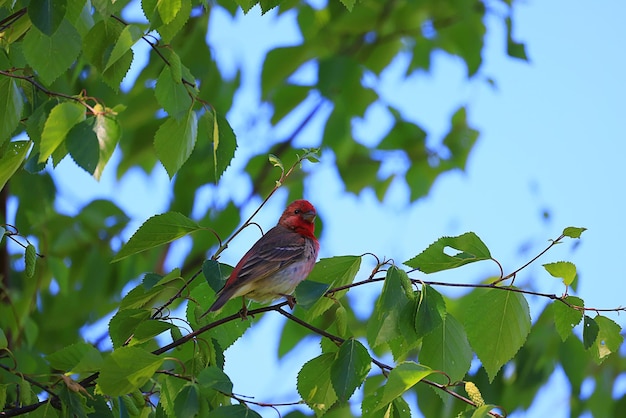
(291, 301)
(243, 313)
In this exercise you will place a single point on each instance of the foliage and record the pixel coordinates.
(62, 64)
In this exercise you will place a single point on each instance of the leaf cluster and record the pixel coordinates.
(64, 71)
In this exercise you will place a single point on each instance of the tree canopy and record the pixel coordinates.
(64, 71)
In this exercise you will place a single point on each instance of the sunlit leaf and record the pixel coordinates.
(573, 232)
(447, 349)
(11, 106)
(335, 271)
(108, 131)
(171, 93)
(156, 231)
(450, 252)
(497, 323)
(350, 368)
(403, 377)
(76, 358)
(609, 339)
(127, 38)
(52, 55)
(314, 382)
(12, 155)
(565, 318)
(384, 324)
(562, 270)
(175, 140)
(62, 118)
(212, 126)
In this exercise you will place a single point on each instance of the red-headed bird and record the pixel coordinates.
(277, 262)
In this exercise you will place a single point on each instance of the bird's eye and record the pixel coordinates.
(297, 211)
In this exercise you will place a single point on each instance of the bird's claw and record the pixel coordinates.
(291, 301)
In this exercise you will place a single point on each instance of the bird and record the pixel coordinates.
(277, 262)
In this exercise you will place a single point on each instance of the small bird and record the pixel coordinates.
(277, 262)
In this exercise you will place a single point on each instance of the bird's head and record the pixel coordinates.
(300, 213)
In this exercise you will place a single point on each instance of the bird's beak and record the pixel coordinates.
(308, 216)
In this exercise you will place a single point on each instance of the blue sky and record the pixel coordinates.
(552, 139)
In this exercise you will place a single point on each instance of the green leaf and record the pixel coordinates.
(234, 411)
(82, 145)
(11, 105)
(214, 378)
(47, 15)
(61, 120)
(573, 232)
(149, 329)
(51, 56)
(384, 324)
(514, 49)
(76, 358)
(172, 94)
(108, 132)
(97, 49)
(335, 271)
(279, 64)
(590, 332)
(147, 294)
(314, 383)
(403, 377)
(175, 140)
(168, 9)
(124, 323)
(187, 402)
(350, 368)
(216, 129)
(483, 411)
(12, 155)
(469, 249)
(286, 98)
(460, 140)
(609, 339)
(73, 404)
(565, 318)
(446, 349)
(156, 231)
(431, 311)
(497, 323)
(127, 369)
(127, 38)
(216, 274)
(4, 343)
(349, 4)
(171, 29)
(562, 270)
(308, 292)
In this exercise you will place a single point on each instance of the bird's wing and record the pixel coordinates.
(277, 248)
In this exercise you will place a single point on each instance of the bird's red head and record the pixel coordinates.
(299, 215)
